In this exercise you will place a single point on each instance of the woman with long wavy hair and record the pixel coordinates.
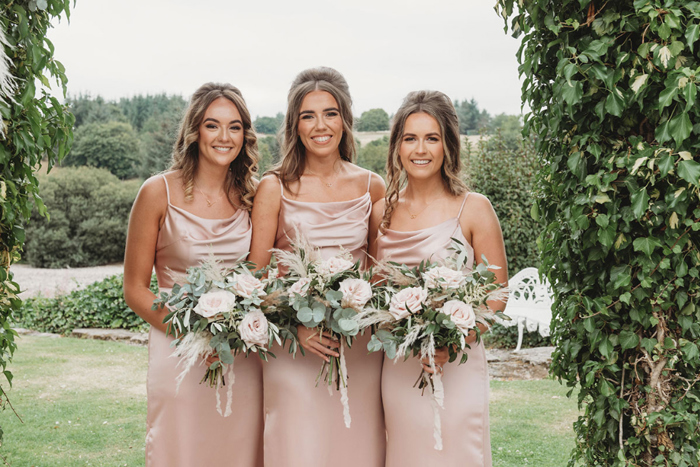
(318, 191)
(426, 205)
(201, 205)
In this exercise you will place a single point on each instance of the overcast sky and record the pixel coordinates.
(384, 48)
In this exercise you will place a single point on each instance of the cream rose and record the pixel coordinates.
(356, 293)
(215, 302)
(300, 287)
(244, 285)
(462, 314)
(443, 277)
(333, 266)
(407, 301)
(253, 329)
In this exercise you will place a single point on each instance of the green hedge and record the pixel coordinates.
(99, 305)
(89, 213)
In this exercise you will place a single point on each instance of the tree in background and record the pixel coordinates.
(373, 120)
(88, 110)
(268, 125)
(36, 126)
(471, 119)
(156, 143)
(269, 152)
(373, 155)
(613, 92)
(111, 145)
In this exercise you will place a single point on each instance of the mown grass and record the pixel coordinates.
(83, 402)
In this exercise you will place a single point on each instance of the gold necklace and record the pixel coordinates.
(413, 216)
(209, 203)
(328, 184)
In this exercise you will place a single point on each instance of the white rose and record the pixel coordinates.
(462, 314)
(407, 301)
(444, 278)
(245, 284)
(253, 329)
(215, 302)
(356, 293)
(273, 273)
(300, 287)
(333, 266)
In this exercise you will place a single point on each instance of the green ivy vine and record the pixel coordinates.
(37, 128)
(612, 87)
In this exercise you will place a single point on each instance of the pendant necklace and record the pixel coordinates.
(328, 184)
(209, 203)
(413, 216)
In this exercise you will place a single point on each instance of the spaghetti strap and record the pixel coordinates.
(167, 188)
(281, 186)
(463, 203)
(369, 180)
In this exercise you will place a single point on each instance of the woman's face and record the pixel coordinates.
(221, 133)
(421, 151)
(320, 124)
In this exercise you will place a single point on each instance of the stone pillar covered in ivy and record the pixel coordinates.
(613, 90)
(36, 127)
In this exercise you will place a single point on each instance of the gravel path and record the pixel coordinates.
(49, 282)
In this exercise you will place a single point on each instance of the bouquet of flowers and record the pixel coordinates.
(421, 309)
(326, 295)
(218, 313)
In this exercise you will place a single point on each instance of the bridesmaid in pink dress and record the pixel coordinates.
(426, 205)
(200, 206)
(319, 191)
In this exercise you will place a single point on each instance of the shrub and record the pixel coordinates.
(373, 120)
(501, 337)
(373, 155)
(112, 145)
(503, 169)
(99, 305)
(89, 212)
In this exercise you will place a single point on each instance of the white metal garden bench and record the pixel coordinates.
(529, 304)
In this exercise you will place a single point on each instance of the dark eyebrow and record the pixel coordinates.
(429, 134)
(325, 110)
(216, 121)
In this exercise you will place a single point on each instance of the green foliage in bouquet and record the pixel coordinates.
(99, 305)
(613, 91)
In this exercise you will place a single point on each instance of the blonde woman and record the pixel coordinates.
(426, 205)
(318, 191)
(201, 205)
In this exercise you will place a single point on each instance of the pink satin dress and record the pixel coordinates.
(185, 429)
(304, 424)
(408, 415)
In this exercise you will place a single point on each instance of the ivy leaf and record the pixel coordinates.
(667, 95)
(628, 340)
(572, 92)
(640, 202)
(605, 347)
(614, 103)
(689, 171)
(681, 127)
(691, 35)
(662, 132)
(691, 350)
(646, 245)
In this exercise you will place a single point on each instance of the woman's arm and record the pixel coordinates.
(375, 220)
(265, 216)
(147, 215)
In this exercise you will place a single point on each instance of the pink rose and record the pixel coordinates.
(333, 266)
(462, 314)
(300, 287)
(407, 301)
(244, 285)
(356, 293)
(443, 277)
(215, 302)
(253, 329)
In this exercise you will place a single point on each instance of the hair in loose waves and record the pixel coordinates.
(440, 107)
(241, 173)
(291, 165)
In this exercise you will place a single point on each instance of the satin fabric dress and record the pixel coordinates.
(304, 424)
(185, 429)
(408, 415)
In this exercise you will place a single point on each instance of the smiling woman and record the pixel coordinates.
(201, 206)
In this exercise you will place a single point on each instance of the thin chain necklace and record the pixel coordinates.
(328, 184)
(209, 203)
(413, 216)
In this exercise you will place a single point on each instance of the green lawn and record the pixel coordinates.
(83, 402)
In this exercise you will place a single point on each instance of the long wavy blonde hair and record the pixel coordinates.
(439, 106)
(241, 174)
(291, 165)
